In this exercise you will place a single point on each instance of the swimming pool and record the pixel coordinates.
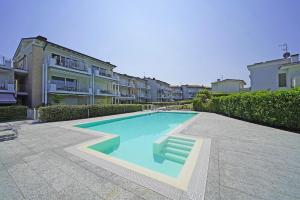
(136, 135)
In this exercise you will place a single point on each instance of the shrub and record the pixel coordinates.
(279, 108)
(202, 101)
(71, 112)
(11, 113)
(180, 107)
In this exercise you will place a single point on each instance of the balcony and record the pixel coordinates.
(106, 75)
(108, 93)
(21, 69)
(126, 84)
(5, 63)
(141, 86)
(64, 89)
(70, 65)
(21, 89)
(6, 86)
(126, 97)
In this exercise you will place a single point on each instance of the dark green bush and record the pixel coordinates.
(71, 112)
(11, 113)
(202, 101)
(279, 108)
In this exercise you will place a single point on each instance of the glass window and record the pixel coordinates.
(71, 82)
(58, 81)
(282, 79)
(57, 58)
(102, 71)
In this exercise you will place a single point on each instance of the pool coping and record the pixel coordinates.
(188, 183)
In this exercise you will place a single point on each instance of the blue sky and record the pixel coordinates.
(180, 42)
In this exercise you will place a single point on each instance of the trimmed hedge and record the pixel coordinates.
(71, 112)
(278, 108)
(11, 113)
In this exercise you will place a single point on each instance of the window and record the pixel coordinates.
(57, 58)
(58, 81)
(102, 71)
(282, 80)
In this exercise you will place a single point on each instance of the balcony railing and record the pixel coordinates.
(106, 75)
(127, 96)
(70, 64)
(55, 88)
(7, 86)
(5, 63)
(126, 84)
(105, 93)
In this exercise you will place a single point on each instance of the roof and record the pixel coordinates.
(195, 86)
(289, 65)
(41, 38)
(148, 78)
(175, 86)
(269, 61)
(230, 80)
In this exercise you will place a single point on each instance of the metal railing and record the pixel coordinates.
(69, 63)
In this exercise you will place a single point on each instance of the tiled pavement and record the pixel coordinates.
(247, 161)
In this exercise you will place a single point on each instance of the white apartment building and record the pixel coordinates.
(143, 90)
(127, 89)
(275, 74)
(133, 89)
(228, 85)
(190, 91)
(160, 90)
(177, 93)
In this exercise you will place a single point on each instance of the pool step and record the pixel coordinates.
(175, 158)
(178, 141)
(179, 152)
(178, 146)
(174, 148)
(181, 138)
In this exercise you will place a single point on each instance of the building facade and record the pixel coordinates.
(190, 91)
(42, 73)
(7, 83)
(228, 85)
(275, 74)
(47, 73)
(160, 90)
(177, 93)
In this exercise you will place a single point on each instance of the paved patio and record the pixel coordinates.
(247, 161)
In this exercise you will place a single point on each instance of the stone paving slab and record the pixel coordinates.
(247, 161)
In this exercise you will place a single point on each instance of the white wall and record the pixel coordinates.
(227, 86)
(264, 76)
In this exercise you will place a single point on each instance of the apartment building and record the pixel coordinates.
(143, 90)
(228, 85)
(46, 73)
(177, 93)
(275, 74)
(160, 90)
(133, 89)
(190, 91)
(127, 88)
(42, 72)
(7, 83)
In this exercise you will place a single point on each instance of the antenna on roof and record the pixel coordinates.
(284, 48)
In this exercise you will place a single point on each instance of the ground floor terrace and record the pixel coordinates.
(247, 161)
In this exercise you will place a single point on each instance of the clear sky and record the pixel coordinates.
(179, 42)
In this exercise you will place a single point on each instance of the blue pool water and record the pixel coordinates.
(137, 135)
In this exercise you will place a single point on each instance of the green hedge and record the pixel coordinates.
(279, 108)
(11, 113)
(71, 112)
